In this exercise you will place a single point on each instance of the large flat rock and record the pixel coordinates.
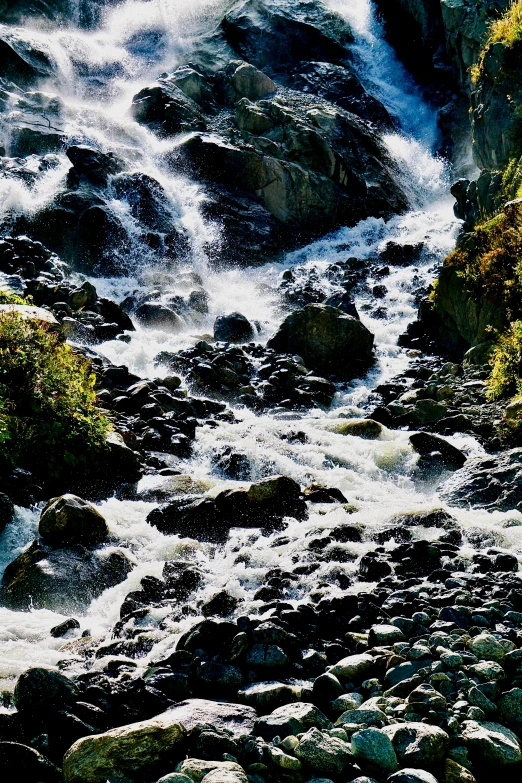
(237, 718)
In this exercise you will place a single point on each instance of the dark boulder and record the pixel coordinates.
(39, 689)
(424, 443)
(61, 579)
(263, 504)
(158, 316)
(233, 328)
(277, 33)
(69, 520)
(328, 340)
(92, 165)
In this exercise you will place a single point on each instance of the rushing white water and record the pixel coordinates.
(97, 73)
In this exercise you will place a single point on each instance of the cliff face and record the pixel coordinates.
(480, 45)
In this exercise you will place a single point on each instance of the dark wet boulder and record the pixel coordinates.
(278, 33)
(69, 520)
(249, 234)
(264, 504)
(233, 328)
(62, 629)
(39, 689)
(21, 61)
(343, 301)
(328, 340)
(491, 482)
(340, 85)
(167, 109)
(92, 165)
(158, 316)
(425, 443)
(148, 201)
(61, 579)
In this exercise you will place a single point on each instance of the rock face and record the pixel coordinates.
(138, 750)
(328, 340)
(61, 579)
(279, 33)
(491, 482)
(69, 520)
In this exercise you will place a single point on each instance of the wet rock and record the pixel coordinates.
(373, 750)
(22, 61)
(267, 696)
(40, 689)
(384, 635)
(490, 482)
(492, 744)
(68, 520)
(319, 493)
(425, 443)
(233, 328)
(166, 109)
(62, 629)
(372, 568)
(354, 667)
(136, 750)
(277, 34)
(92, 165)
(360, 428)
(327, 339)
(417, 743)
(362, 717)
(291, 719)
(263, 504)
(61, 579)
(221, 604)
(17, 759)
(340, 85)
(158, 316)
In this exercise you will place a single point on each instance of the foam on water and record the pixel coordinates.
(129, 49)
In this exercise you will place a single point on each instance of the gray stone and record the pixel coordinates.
(417, 743)
(492, 744)
(323, 753)
(372, 749)
(354, 667)
(291, 719)
(409, 775)
(384, 635)
(510, 705)
(236, 718)
(369, 716)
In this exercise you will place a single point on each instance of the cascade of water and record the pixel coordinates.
(132, 45)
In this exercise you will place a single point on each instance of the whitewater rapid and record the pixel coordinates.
(134, 43)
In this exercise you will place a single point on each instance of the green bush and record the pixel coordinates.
(505, 380)
(49, 421)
